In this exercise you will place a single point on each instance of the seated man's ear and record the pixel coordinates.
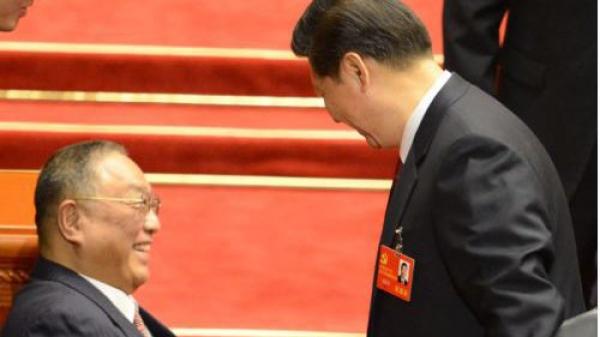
(68, 220)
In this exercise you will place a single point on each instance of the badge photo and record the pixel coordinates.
(395, 273)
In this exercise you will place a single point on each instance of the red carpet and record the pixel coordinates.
(214, 155)
(197, 151)
(259, 258)
(168, 114)
(193, 23)
(225, 23)
(262, 258)
(165, 74)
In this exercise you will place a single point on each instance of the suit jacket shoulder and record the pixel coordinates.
(58, 302)
(485, 220)
(47, 308)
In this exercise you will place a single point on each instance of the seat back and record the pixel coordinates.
(18, 239)
(583, 325)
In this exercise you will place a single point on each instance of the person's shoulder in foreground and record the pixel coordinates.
(11, 11)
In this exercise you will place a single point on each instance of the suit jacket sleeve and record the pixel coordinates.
(492, 227)
(471, 39)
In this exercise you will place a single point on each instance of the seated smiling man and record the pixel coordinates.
(96, 217)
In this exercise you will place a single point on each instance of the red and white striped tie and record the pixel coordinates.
(139, 324)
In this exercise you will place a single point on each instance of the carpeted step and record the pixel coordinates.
(231, 114)
(317, 153)
(202, 139)
(151, 48)
(149, 69)
(153, 69)
(263, 24)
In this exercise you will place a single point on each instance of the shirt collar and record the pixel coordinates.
(125, 303)
(412, 125)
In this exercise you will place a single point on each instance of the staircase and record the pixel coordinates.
(272, 211)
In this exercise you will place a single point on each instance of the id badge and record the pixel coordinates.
(395, 273)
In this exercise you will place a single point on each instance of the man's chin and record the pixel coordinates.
(140, 278)
(140, 273)
(373, 143)
(8, 26)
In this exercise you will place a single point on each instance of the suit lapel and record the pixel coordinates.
(48, 270)
(406, 180)
(404, 184)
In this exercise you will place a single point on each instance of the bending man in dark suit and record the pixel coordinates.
(477, 204)
(544, 72)
(96, 217)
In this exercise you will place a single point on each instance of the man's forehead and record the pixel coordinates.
(125, 184)
(135, 187)
(119, 170)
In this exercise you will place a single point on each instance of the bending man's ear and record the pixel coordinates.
(353, 68)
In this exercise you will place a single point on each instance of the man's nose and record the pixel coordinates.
(152, 223)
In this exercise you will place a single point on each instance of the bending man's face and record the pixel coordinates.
(344, 107)
(11, 11)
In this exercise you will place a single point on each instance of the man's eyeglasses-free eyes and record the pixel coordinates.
(143, 203)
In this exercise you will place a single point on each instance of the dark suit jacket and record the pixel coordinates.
(485, 218)
(59, 302)
(548, 67)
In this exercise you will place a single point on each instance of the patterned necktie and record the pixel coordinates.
(139, 324)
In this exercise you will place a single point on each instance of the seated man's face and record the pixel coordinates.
(11, 11)
(118, 235)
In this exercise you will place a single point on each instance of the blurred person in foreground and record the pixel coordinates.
(545, 71)
(96, 216)
(477, 208)
(11, 11)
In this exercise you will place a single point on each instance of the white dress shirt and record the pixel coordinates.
(412, 125)
(124, 302)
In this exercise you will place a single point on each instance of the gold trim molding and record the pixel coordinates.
(168, 179)
(191, 131)
(189, 332)
(269, 181)
(160, 98)
(154, 50)
(19, 230)
(145, 50)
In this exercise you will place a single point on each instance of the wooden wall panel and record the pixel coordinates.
(18, 239)
(18, 251)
